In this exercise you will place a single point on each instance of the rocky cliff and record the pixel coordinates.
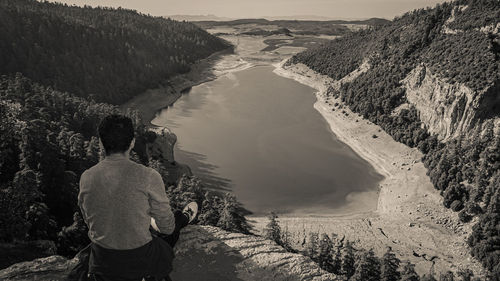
(445, 109)
(162, 150)
(203, 253)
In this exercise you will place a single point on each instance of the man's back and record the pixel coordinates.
(118, 198)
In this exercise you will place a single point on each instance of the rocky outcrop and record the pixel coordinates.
(162, 150)
(493, 29)
(446, 109)
(446, 29)
(50, 268)
(163, 145)
(202, 253)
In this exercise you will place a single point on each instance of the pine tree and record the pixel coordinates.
(325, 259)
(210, 209)
(390, 265)
(367, 268)
(285, 240)
(231, 217)
(348, 260)
(311, 249)
(408, 273)
(273, 230)
(336, 255)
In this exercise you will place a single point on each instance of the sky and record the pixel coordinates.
(336, 9)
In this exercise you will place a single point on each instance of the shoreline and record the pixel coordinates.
(357, 133)
(410, 217)
(205, 70)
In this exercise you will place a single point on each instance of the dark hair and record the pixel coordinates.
(116, 133)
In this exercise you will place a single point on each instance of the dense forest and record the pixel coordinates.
(107, 54)
(61, 64)
(465, 169)
(342, 257)
(48, 139)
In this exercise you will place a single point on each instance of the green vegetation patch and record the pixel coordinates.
(465, 169)
(108, 54)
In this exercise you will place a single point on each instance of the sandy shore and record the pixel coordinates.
(153, 100)
(409, 218)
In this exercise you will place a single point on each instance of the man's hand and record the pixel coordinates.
(153, 225)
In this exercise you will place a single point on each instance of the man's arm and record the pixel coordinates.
(80, 197)
(160, 205)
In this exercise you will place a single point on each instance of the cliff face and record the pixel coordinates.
(162, 149)
(202, 253)
(163, 146)
(445, 109)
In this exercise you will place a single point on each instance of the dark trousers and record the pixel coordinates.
(161, 256)
(181, 221)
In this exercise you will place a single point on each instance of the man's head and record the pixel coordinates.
(116, 133)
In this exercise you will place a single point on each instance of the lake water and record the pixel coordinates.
(257, 134)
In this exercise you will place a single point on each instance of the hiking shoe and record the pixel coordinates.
(191, 210)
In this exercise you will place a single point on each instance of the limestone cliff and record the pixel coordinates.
(447, 110)
(163, 145)
(202, 253)
(162, 149)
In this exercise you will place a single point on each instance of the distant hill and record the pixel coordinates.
(434, 83)
(371, 21)
(108, 54)
(198, 18)
(298, 17)
(305, 27)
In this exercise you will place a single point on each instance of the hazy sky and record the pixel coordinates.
(258, 8)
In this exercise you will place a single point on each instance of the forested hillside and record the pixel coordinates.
(459, 43)
(107, 54)
(48, 137)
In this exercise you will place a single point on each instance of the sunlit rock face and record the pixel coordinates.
(447, 110)
(161, 149)
(163, 145)
(202, 253)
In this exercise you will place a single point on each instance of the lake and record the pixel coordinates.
(256, 134)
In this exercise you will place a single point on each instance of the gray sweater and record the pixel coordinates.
(118, 197)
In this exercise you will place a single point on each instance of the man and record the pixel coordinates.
(119, 200)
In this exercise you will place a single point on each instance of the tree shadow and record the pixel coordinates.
(202, 169)
(201, 256)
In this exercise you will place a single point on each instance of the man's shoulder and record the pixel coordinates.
(87, 173)
(137, 168)
(152, 172)
(143, 168)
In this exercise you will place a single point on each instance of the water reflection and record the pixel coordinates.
(202, 169)
(258, 135)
